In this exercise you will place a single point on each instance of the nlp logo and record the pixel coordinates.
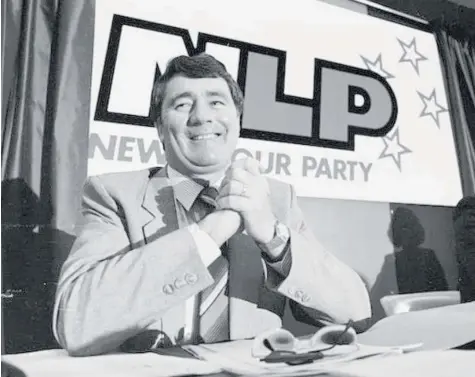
(347, 101)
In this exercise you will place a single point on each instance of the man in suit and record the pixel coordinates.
(202, 250)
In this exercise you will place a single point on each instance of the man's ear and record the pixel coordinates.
(159, 128)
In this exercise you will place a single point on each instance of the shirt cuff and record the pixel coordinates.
(207, 248)
(274, 250)
(283, 264)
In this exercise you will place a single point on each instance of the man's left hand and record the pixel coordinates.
(246, 191)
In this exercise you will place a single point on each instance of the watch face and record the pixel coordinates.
(280, 229)
(281, 235)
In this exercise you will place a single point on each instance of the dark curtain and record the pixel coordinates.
(464, 227)
(46, 75)
(457, 51)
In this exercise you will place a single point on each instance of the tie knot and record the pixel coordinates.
(209, 195)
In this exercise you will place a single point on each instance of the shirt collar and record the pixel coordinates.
(186, 190)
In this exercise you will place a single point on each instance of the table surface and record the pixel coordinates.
(418, 364)
(438, 329)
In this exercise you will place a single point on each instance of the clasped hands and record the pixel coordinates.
(243, 201)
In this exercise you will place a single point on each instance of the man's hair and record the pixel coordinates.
(195, 67)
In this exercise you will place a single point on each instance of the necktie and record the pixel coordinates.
(213, 321)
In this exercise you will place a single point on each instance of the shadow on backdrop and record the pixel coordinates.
(30, 269)
(383, 285)
(417, 268)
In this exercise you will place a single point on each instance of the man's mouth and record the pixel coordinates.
(209, 136)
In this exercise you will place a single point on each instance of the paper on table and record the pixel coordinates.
(53, 363)
(236, 357)
(438, 329)
(418, 364)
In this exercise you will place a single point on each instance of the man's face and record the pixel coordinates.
(199, 125)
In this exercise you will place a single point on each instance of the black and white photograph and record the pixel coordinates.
(238, 188)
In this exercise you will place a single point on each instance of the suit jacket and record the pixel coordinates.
(132, 268)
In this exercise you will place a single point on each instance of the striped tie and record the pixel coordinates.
(213, 322)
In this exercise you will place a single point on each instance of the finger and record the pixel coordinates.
(241, 175)
(234, 202)
(249, 164)
(239, 163)
(234, 187)
(253, 166)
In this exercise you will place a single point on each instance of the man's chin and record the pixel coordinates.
(206, 168)
(203, 167)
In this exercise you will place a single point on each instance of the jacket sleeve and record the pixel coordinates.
(322, 288)
(110, 290)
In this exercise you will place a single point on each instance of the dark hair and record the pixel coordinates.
(406, 228)
(196, 67)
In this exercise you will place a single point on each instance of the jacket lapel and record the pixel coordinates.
(159, 207)
(161, 218)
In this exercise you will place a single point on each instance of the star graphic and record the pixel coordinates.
(376, 66)
(411, 54)
(394, 149)
(431, 107)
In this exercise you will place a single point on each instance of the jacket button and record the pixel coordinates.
(168, 289)
(179, 283)
(191, 278)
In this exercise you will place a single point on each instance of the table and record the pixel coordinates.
(439, 329)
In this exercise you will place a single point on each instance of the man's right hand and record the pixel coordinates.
(221, 225)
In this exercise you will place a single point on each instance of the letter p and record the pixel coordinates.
(353, 102)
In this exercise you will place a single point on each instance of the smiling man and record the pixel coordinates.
(202, 250)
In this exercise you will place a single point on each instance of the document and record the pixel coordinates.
(437, 329)
(236, 357)
(53, 363)
(417, 364)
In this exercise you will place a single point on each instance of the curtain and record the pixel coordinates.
(457, 51)
(46, 77)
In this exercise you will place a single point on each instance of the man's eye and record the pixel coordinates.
(182, 106)
(217, 103)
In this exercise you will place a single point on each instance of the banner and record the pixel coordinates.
(337, 103)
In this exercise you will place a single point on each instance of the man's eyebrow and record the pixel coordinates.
(209, 93)
(181, 95)
(214, 93)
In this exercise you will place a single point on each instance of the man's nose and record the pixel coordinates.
(201, 113)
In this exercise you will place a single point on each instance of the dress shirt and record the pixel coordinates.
(186, 191)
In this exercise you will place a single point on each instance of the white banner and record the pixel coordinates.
(355, 106)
